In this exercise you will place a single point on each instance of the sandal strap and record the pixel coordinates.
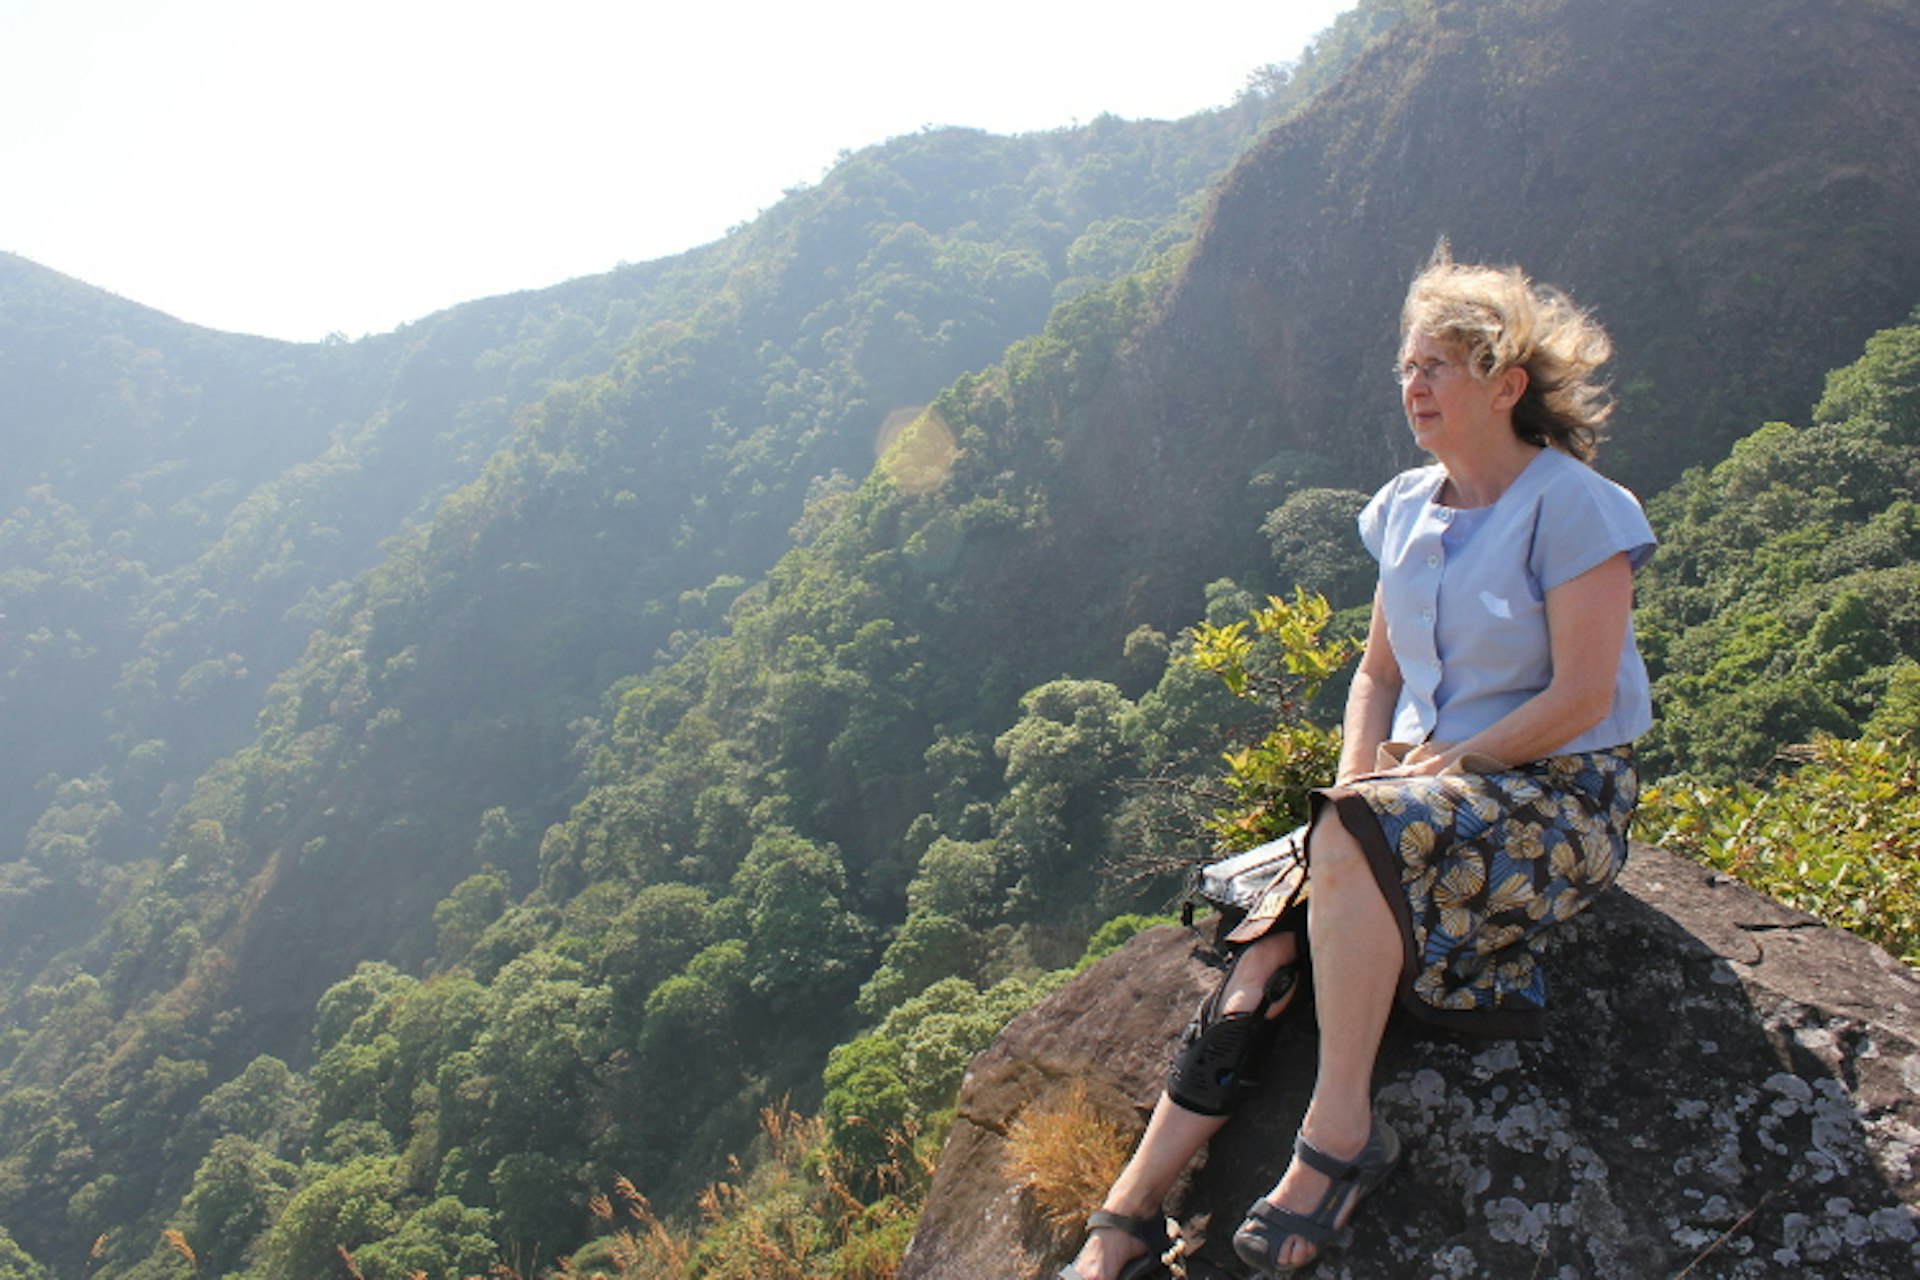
(1368, 1166)
(1341, 1171)
(1284, 1224)
(1150, 1231)
(1107, 1220)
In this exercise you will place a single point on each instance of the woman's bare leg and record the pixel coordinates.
(1357, 961)
(1174, 1134)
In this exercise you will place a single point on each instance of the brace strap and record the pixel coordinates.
(1213, 1067)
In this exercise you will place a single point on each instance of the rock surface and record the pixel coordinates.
(1727, 1089)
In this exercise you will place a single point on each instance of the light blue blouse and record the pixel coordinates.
(1464, 594)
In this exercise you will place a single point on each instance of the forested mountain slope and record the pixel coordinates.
(184, 506)
(1727, 185)
(1789, 603)
(639, 832)
(187, 507)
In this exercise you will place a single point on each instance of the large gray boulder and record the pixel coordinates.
(1727, 1089)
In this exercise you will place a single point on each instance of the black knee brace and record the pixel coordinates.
(1214, 1064)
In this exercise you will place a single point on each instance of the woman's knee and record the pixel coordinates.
(1330, 845)
(1215, 1061)
(1261, 957)
(1342, 877)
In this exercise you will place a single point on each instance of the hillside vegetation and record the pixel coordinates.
(684, 713)
(159, 580)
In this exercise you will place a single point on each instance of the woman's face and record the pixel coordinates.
(1447, 408)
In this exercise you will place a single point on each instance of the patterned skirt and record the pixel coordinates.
(1477, 866)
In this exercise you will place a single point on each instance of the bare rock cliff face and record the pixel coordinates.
(1727, 1089)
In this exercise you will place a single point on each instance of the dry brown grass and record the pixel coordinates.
(177, 1241)
(643, 1244)
(1064, 1153)
(792, 1217)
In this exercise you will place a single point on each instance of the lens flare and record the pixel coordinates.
(915, 450)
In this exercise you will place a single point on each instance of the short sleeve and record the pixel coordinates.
(1373, 521)
(1584, 520)
(1386, 509)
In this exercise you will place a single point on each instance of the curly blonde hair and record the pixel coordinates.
(1502, 320)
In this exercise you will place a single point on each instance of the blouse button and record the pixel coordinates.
(1433, 562)
(1426, 615)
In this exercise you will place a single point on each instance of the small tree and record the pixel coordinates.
(1273, 661)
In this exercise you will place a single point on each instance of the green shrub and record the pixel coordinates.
(1278, 666)
(1837, 836)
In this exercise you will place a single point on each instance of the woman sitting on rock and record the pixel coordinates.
(1501, 645)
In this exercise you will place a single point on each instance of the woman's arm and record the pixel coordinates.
(1370, 700)
(1586, 628)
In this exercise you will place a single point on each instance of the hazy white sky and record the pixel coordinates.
(294, 168)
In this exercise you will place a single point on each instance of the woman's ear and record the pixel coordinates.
(1510, 386)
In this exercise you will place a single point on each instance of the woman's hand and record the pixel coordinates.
(1423, 761)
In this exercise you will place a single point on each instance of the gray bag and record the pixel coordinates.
(1239, 883)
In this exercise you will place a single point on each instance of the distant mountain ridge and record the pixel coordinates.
(165, 461)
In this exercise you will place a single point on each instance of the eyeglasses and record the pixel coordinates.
(1433, 370)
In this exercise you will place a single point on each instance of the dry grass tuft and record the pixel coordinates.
(647, 1247)
(1064, 1154)
(177, 1241)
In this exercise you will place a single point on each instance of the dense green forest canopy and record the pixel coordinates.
(1787, 599)
(151, 597)
(481, 763)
